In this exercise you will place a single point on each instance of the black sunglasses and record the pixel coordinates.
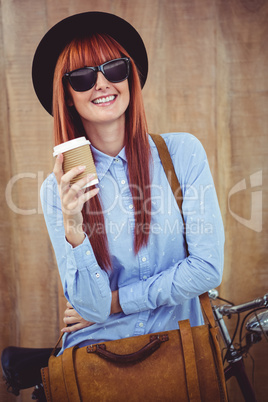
(83, 79)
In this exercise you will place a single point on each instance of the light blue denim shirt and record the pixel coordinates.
(160, 285)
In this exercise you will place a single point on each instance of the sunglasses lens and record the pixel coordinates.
(83, 79)
(116, 70)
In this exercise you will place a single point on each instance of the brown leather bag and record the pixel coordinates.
(183, 365)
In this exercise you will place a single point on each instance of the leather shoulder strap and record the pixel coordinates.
(189, 357)
(69, 374)
(176, 189)
(168, 168)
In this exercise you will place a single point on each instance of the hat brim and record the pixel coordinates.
(65, 31)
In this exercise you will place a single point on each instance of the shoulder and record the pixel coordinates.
(187, 153)
(181, 145)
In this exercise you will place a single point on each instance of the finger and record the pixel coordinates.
(78, 188)
(69, 312)
(70, 320)
(73, 328)
(58, 170)
(71, 174)
(72, 313)
(69, 305)
(88, 195)
(77, 326)
(71, 193)
(77, 203)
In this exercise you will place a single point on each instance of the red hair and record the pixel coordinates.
(67, 125)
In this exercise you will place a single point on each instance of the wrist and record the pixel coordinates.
(115, 303)
(74, 232)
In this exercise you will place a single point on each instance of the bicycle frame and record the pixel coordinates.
(236, 367)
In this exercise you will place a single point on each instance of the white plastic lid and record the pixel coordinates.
(68, 145)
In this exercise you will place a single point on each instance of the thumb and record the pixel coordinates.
(58, 168)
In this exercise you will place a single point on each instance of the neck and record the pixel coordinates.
(107, 138)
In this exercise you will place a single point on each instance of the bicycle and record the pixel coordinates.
(255, 322)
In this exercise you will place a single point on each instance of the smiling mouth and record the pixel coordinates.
(105, 99)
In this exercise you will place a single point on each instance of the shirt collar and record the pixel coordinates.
(104, 161)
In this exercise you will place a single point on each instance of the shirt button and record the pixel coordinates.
(97, 275)
(123, 181)
(144, 277)
(131, 206)
(116, 160)
(141, 324)
(88, 252)
(144, 259)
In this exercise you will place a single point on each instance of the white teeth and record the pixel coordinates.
(103, 100)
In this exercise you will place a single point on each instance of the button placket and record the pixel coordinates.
(122, 181)
(144, 264)
(140, 327)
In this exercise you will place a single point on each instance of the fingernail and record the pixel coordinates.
(91, 176)
(81, 168)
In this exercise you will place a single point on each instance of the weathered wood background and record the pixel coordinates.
(208, 76)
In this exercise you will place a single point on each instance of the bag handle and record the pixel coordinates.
(143, 353)
(172, 178)
(68, 364)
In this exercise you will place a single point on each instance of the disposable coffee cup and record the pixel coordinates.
(77, 152)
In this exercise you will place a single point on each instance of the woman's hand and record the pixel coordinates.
(73, 198)
(74, 320)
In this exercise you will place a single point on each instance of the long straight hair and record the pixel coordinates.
(92, 51)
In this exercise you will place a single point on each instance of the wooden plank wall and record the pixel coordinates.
(208, 76)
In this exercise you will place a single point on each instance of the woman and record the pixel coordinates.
(120, 247)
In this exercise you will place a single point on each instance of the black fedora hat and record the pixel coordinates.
(63, 32)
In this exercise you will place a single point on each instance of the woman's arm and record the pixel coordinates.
(86, 286)
(73, 198)
(202, 269)
(74, 321)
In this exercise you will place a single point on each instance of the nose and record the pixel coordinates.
(101, 82)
